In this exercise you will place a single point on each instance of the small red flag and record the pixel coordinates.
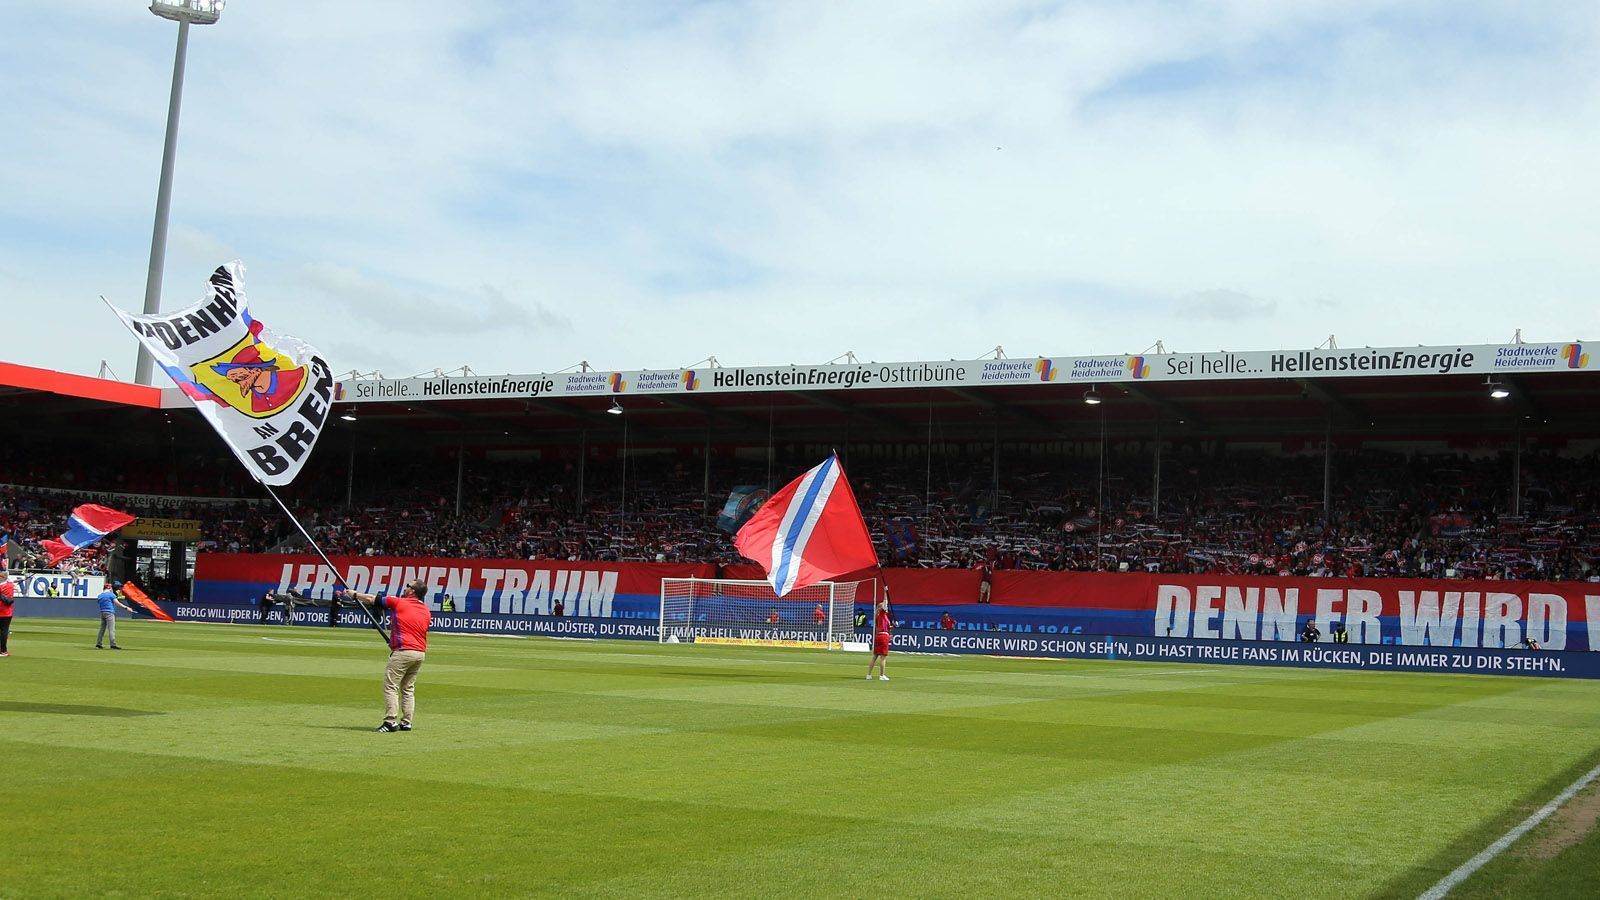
(131, 591)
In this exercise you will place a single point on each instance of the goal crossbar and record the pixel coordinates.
(748, 613)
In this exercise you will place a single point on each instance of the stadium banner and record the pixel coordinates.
(503, 587)
(1480, 359)
(1375, 611)
(154, 529)
(1408, 612)
(1452, 660)
(53, 585)
(1449, 660)
(576, 627)
(135, 501)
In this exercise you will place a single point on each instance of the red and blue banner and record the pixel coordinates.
(1375, 611)
(496, 587)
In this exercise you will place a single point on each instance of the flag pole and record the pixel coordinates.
(333, 608)
(883, 578)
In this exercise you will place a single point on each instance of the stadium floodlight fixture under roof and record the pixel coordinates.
(195, 12)
(1497, 390)
(616, 408)
(1091, 397)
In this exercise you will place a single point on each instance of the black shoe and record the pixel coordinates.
(405, 726)
(388, 727)
(98, 647)
(115, 647)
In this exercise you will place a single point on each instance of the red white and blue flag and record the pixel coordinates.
(808, 532)
(87, 525)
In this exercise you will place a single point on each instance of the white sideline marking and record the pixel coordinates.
(1495, 849)
(324, 643)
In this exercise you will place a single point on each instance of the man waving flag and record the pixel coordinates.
(810, 531)
(268, 395)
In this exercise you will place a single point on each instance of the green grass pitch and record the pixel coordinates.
(236, 761)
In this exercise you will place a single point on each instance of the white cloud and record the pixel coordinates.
(1224, 305)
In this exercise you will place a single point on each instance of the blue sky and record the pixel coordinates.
(518, 186)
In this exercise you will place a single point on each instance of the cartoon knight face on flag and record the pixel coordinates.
(251, 377)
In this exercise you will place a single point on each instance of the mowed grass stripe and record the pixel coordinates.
(621, 769)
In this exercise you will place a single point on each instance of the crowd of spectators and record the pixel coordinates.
(40, 488)
(1433, 515)
(1386, 515)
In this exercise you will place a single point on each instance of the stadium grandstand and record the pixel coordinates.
(1089, 464)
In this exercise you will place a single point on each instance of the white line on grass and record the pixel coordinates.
(324, 642)
(1472, 865)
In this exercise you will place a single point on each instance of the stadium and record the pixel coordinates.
(1101, 572)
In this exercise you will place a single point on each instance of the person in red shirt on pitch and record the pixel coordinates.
(409, 619)
(818, 616)
(880, 640)
(8, 598)
(947, 621)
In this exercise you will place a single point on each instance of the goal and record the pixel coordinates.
(725, 611)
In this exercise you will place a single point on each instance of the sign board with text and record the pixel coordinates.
(1478, 359)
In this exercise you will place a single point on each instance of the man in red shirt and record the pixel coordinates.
(880, 641)
(772, 617)
(409, 619)
(818, 616)
(947, 622)
(8, 596)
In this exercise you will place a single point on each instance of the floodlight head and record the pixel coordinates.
(1091, 397)
(1497, 389)
(349, 416)
(195, 12)
(616, 408)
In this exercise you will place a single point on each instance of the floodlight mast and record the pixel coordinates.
(185, 13)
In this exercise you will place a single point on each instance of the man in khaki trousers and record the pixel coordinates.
(409, 619)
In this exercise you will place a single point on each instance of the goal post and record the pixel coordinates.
(739, 612)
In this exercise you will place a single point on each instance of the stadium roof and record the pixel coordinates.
(1255, 409)
(25, 384)
(1485, 360)
(1419, 391)
(1438, 392)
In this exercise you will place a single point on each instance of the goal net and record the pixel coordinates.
(724, 611)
